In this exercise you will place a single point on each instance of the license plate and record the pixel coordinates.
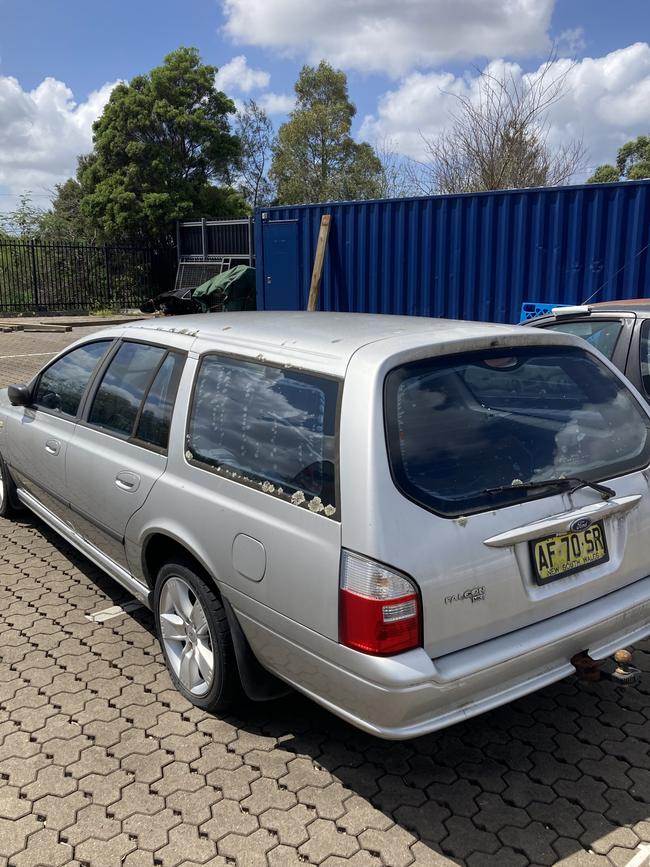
(558, 556)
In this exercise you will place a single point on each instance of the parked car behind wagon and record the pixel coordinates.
(618, 329)
(409, 520)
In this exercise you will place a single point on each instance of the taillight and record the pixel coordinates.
(379, 610)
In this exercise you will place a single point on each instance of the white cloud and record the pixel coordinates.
(42, 132)
(277, 103)
(606, 103)
(238, 75)
(570, 42)
(385, 36)
(419, 107)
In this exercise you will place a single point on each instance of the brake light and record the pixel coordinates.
(379, 610)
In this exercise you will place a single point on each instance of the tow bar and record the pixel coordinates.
(588, 669)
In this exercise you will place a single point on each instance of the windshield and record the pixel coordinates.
(601, 333)
(459, 425)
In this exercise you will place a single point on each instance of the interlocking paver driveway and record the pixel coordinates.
(103, 763)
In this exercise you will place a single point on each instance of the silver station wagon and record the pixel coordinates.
(409, 520)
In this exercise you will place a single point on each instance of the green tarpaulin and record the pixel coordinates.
(236, 287)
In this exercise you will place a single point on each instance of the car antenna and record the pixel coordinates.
(615, 274)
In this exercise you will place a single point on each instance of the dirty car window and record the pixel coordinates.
(601, 334)
(267, 426)
(459, 425)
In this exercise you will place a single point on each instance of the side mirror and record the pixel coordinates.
(19, 395)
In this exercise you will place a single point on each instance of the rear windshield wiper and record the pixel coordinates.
(572, 483)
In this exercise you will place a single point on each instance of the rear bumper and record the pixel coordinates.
(411, 695)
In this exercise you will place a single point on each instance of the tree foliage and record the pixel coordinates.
(632, 163)
(498, 138)
(65, 220)
(256, 140)
(161, 147)
(315, 158)
(24, 221)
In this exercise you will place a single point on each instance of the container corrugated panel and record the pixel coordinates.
(472, 256)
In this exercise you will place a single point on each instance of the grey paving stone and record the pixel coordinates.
(463, 838)
(535, 841)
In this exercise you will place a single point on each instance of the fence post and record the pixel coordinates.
(203, 237)
(108, 273)
(250, 242)
(32, 245)
(178, 241)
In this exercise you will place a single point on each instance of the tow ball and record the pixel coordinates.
(590, 670)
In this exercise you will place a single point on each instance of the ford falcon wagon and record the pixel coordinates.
(409, 520)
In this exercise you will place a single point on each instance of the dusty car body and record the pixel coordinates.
(409, 520)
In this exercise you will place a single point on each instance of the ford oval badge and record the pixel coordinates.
(580, 524)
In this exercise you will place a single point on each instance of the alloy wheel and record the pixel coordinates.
(186, 636)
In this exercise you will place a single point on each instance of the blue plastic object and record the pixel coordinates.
(532, 309)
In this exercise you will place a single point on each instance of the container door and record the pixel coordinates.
(281, 288)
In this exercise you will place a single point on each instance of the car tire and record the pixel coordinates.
(7, 492)
(195, 638)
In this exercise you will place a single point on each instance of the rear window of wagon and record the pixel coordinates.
(457, 426)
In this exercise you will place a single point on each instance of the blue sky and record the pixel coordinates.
(59, 58)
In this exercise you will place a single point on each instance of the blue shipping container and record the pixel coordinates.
(470, 256)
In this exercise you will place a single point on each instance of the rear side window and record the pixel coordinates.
(602, 334)
(123, 387)
(136, 395)
(269, 427)
(459, 427)
(644, 356)
(61, 387)
(155, 418)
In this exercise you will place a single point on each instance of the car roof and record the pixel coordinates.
(634, 305)
(320, 341)
(638, 306)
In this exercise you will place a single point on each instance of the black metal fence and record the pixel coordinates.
(51, 277)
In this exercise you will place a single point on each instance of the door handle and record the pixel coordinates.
(53, 447)
(126, 481)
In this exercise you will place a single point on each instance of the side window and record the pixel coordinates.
(644, 356)
(601, 333)
(269, 427)
(61, 386)
(155, 418)
(117, 401)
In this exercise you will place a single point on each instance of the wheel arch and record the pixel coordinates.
(11, 488)
(258, 683)
(160, 547)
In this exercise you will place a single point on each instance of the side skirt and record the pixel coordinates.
(135, 587)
